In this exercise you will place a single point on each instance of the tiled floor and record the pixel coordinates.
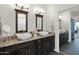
(71, 48)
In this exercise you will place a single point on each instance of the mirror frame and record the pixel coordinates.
(41, 16)
(22, 12)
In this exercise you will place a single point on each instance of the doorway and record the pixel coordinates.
(71, 48)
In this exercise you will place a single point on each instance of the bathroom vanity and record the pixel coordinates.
(38, 45)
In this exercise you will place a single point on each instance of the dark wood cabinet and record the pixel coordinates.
(36, 47)
(44, 45)
(63, 38)
(21, 51)
(39, 46)
(27, 50)
(31, 50)
(48, 44)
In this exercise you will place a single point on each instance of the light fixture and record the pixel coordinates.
(18, 6)
(60, 16)
(23, 7)
(26, 7)
(39, 11)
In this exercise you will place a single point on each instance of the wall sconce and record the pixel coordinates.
(23, 7)
(39, 11)
(60, 17)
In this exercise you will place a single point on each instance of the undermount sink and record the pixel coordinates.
(23, 36)
(43, 33)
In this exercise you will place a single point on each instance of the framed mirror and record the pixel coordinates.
(39, 22)
(21, 21)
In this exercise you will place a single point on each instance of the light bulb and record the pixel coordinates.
(19, 5)
(60, 17)
(39, 11)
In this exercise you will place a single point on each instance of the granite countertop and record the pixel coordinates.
(16, 41)
(63, 31)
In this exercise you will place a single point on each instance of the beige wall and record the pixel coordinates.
(65, 20)
(52, 13)
(7, 14)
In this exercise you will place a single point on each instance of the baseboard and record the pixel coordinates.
(56, 50)
(69, 41)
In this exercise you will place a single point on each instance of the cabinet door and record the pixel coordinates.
(31, 50)
(22, 51)
(39, 48)
(48, 45)
(51, 43)
(45, 46)
(63, 38)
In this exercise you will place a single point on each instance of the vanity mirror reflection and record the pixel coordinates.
(39, 22)
(21, 21)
